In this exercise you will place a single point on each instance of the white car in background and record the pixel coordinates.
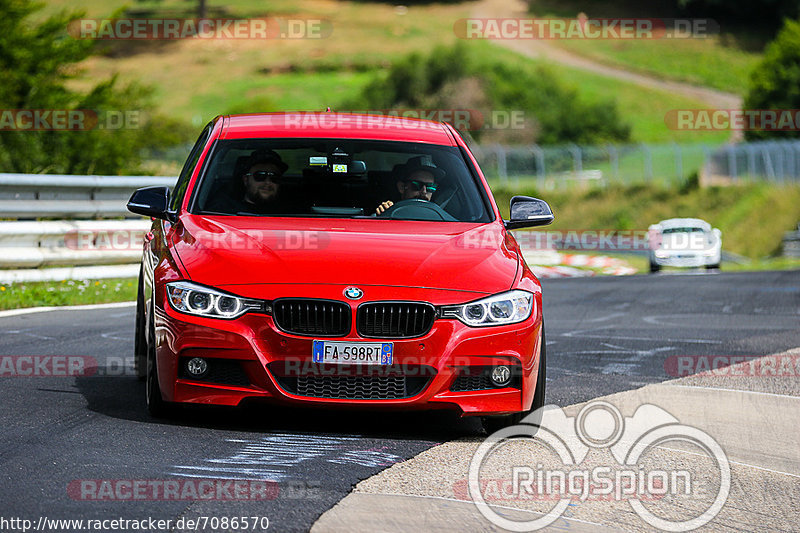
(684, 242)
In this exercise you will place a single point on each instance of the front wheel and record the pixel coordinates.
(140, 335)
(496, 423)
(156, 405)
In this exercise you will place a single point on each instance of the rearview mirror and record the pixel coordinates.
(151, 202)
(528, 212)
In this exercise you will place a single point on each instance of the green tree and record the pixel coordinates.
(451, 78)
(37, 60)
(775, 82)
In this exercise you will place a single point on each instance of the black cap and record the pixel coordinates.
(262, 157)
(420, 163)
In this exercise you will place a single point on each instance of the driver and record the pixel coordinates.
(417, 182)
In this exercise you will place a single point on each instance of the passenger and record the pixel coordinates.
(261, 182)
(262, 190)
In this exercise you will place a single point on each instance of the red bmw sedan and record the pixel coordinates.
(338, 260)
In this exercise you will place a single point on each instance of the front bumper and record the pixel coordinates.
(685, 260)
(269, 360)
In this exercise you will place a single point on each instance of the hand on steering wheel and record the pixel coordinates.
(383, 207)
(413, 209)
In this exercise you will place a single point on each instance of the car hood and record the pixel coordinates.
(441, 255)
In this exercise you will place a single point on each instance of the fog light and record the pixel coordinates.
(501, 376)
(197, 367)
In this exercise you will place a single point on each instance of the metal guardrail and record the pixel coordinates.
(791, 243)
(71, 242)
(89, 249)
(64, 196)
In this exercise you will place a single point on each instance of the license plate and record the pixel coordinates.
(353, 353)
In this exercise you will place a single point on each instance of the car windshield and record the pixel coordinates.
(683, 230)
(340, 178)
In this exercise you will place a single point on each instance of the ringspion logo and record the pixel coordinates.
(620, 467)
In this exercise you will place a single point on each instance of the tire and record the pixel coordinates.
(496, 423)
(712, 267)
(140, 335)
(654, 267)
(156, 406)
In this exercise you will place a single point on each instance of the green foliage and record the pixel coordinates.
(775, 83)
(766, 14)
(452, 78)
(37, 61)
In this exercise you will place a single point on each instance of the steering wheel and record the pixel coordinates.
(417, 209)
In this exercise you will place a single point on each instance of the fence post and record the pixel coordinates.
(577, 161)
(678, 161)
(540, 170)
(502, 171)
(613, 159)
(767, 158)
(732, 171)
(751, 162)
(648, 162)
(788, 153)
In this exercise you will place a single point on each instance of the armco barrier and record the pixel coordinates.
(71, 242)
(791, 243)
(78, 249)
(63, 196)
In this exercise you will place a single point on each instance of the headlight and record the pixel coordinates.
(661, 254)
(194, 299)
(506, 308)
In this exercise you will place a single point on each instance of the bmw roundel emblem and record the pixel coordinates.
(354, 293)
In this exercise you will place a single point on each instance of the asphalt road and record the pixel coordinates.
(604, 335)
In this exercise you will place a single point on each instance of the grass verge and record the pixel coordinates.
(55, 293)
(722, 61)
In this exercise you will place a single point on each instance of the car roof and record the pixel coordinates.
(335, 126)
(685, 223)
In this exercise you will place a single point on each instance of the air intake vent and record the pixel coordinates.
(325, 318)
(394, 320)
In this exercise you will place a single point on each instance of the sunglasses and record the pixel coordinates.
(262, 175)
(418, 185)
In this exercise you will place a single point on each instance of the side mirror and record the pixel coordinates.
(528, 212)
(151, 202)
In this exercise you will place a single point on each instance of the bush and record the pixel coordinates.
(37, 60)
(451, 78)
(775, 82)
